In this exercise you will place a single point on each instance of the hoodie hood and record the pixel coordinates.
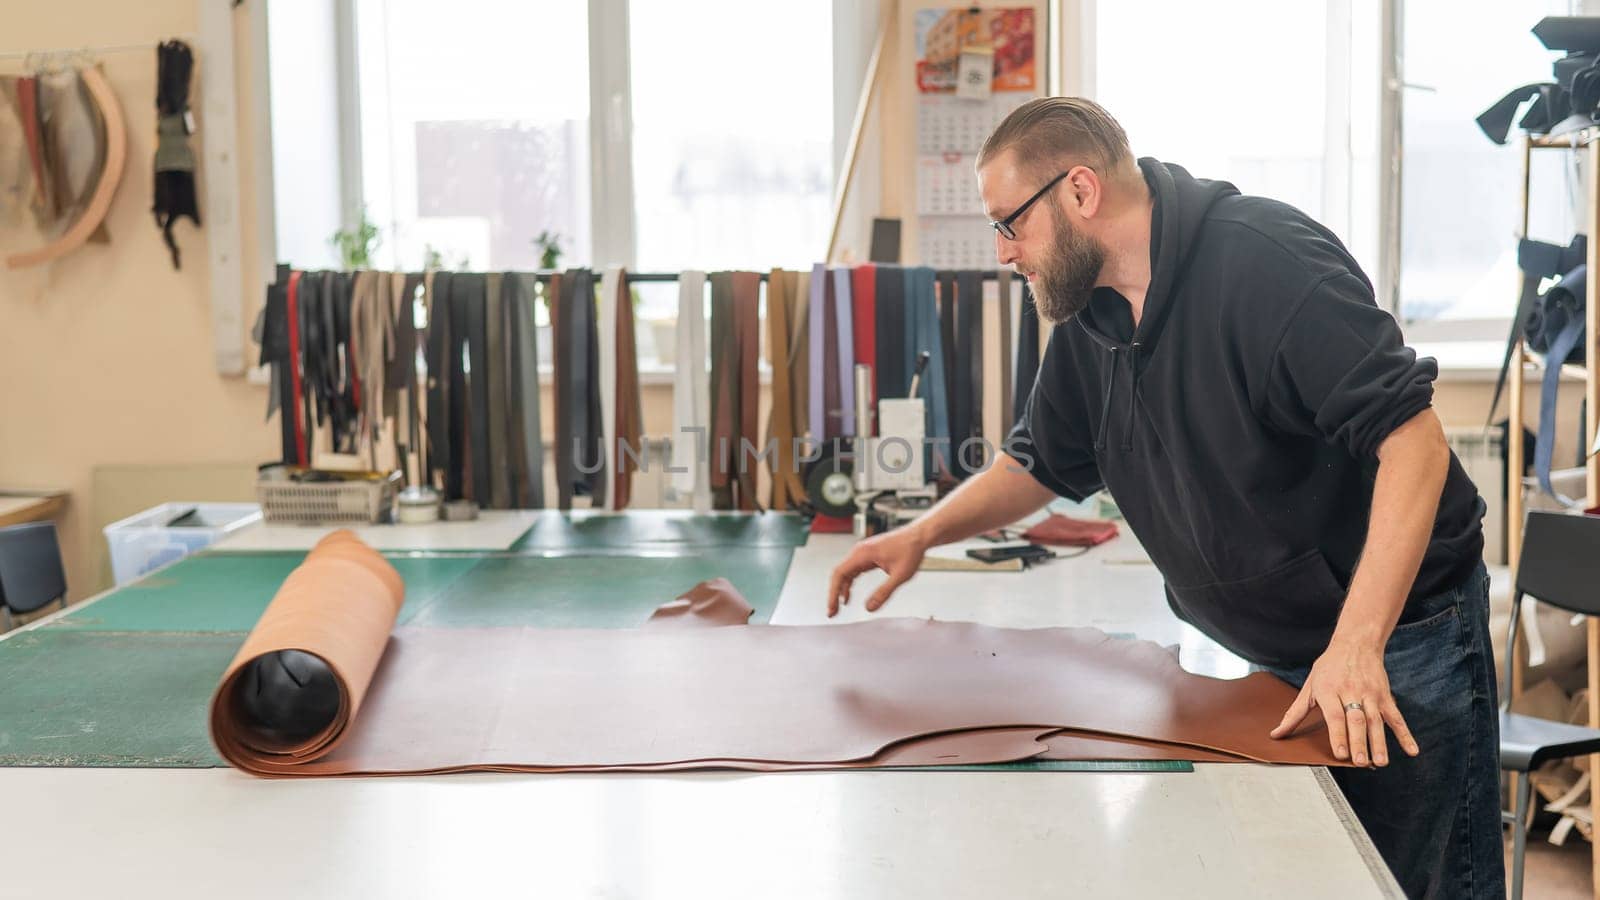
(1181, 204)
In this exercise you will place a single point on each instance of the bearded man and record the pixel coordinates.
(1217, 361)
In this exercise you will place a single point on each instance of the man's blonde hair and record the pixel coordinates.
(1051, 134)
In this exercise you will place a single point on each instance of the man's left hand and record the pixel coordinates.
(1349, 684)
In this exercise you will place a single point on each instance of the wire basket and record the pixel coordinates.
(351, 501)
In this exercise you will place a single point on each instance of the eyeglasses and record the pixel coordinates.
(1004, 225)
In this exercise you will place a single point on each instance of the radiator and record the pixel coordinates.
(1482, 454)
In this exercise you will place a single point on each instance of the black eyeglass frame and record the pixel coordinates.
(1004, 225)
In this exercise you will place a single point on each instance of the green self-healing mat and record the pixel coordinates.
(599, 591)
(646, 528)
(125, 681)
(229, 591)
(95, 698)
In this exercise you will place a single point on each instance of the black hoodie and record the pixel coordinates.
(1238, 426)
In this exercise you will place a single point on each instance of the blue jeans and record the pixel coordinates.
(1436, 817)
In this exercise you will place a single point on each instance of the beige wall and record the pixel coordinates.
(105, 355)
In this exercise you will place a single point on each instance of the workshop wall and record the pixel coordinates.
(106, 354)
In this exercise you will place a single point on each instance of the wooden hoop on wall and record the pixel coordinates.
(100, 203)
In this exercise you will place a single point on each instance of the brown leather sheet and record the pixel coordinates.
(755, 697)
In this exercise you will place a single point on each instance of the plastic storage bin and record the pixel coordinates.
(169, 532)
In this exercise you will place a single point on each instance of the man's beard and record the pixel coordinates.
(1064, 281)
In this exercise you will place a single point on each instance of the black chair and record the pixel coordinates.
(31, 575)
(1559, 565)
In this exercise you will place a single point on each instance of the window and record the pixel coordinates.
(475, 130)
(732, 143)
(1461, 197)
(1266, 96)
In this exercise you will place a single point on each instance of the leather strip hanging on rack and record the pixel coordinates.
(1028, 352)
(16, 179)
(629, 413)
(844, 321)
(473, 289)
(74, 140)
(962, 313)
(494, 372)
(174, 190)
(580, 467)
(992, 314)
(691, 396)
(747, 328)
(296, 410)
(952, 368)
(458, 482)
(735, 388)
(821, 363)
(440, 355)
(893, 370)
(735, 696)
(528, 440)
(787, 486)
(44, 206)
(800, 352)
(864, 330)
(923, 335)
(724, 390)
(613, 283)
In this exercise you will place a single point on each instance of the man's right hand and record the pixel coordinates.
(898, 553)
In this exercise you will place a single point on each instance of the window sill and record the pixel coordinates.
(1478, 361)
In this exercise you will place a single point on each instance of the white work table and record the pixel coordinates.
(1221, 831)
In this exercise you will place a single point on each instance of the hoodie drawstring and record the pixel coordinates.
(1105, 405)
(1133, 394)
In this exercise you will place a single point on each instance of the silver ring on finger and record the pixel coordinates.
(1352, 706)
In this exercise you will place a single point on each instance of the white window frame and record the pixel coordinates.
(613, 217)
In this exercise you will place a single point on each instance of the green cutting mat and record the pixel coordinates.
(126, 681)
(657, 528)
(229, 591)
(599, 591)
(95, 698)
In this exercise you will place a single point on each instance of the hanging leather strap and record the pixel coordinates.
(747, 342)
(924, 332)
(724, 387)
(786, 483)
(844, 322)
(864, 330)
(947, 335)
(473, 290)
(525, 384)
(821, 363)
(296, 408)
(831, 398)
(800, 352)
(691, 396)
(491, 462)
(893, 373)
(580, 467)
(561, 396)
(606, 325)
(969, 325)
(439, 361)
(629, 434)
(992, 350)
(456, 480)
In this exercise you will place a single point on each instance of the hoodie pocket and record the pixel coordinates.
(1282, 617)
